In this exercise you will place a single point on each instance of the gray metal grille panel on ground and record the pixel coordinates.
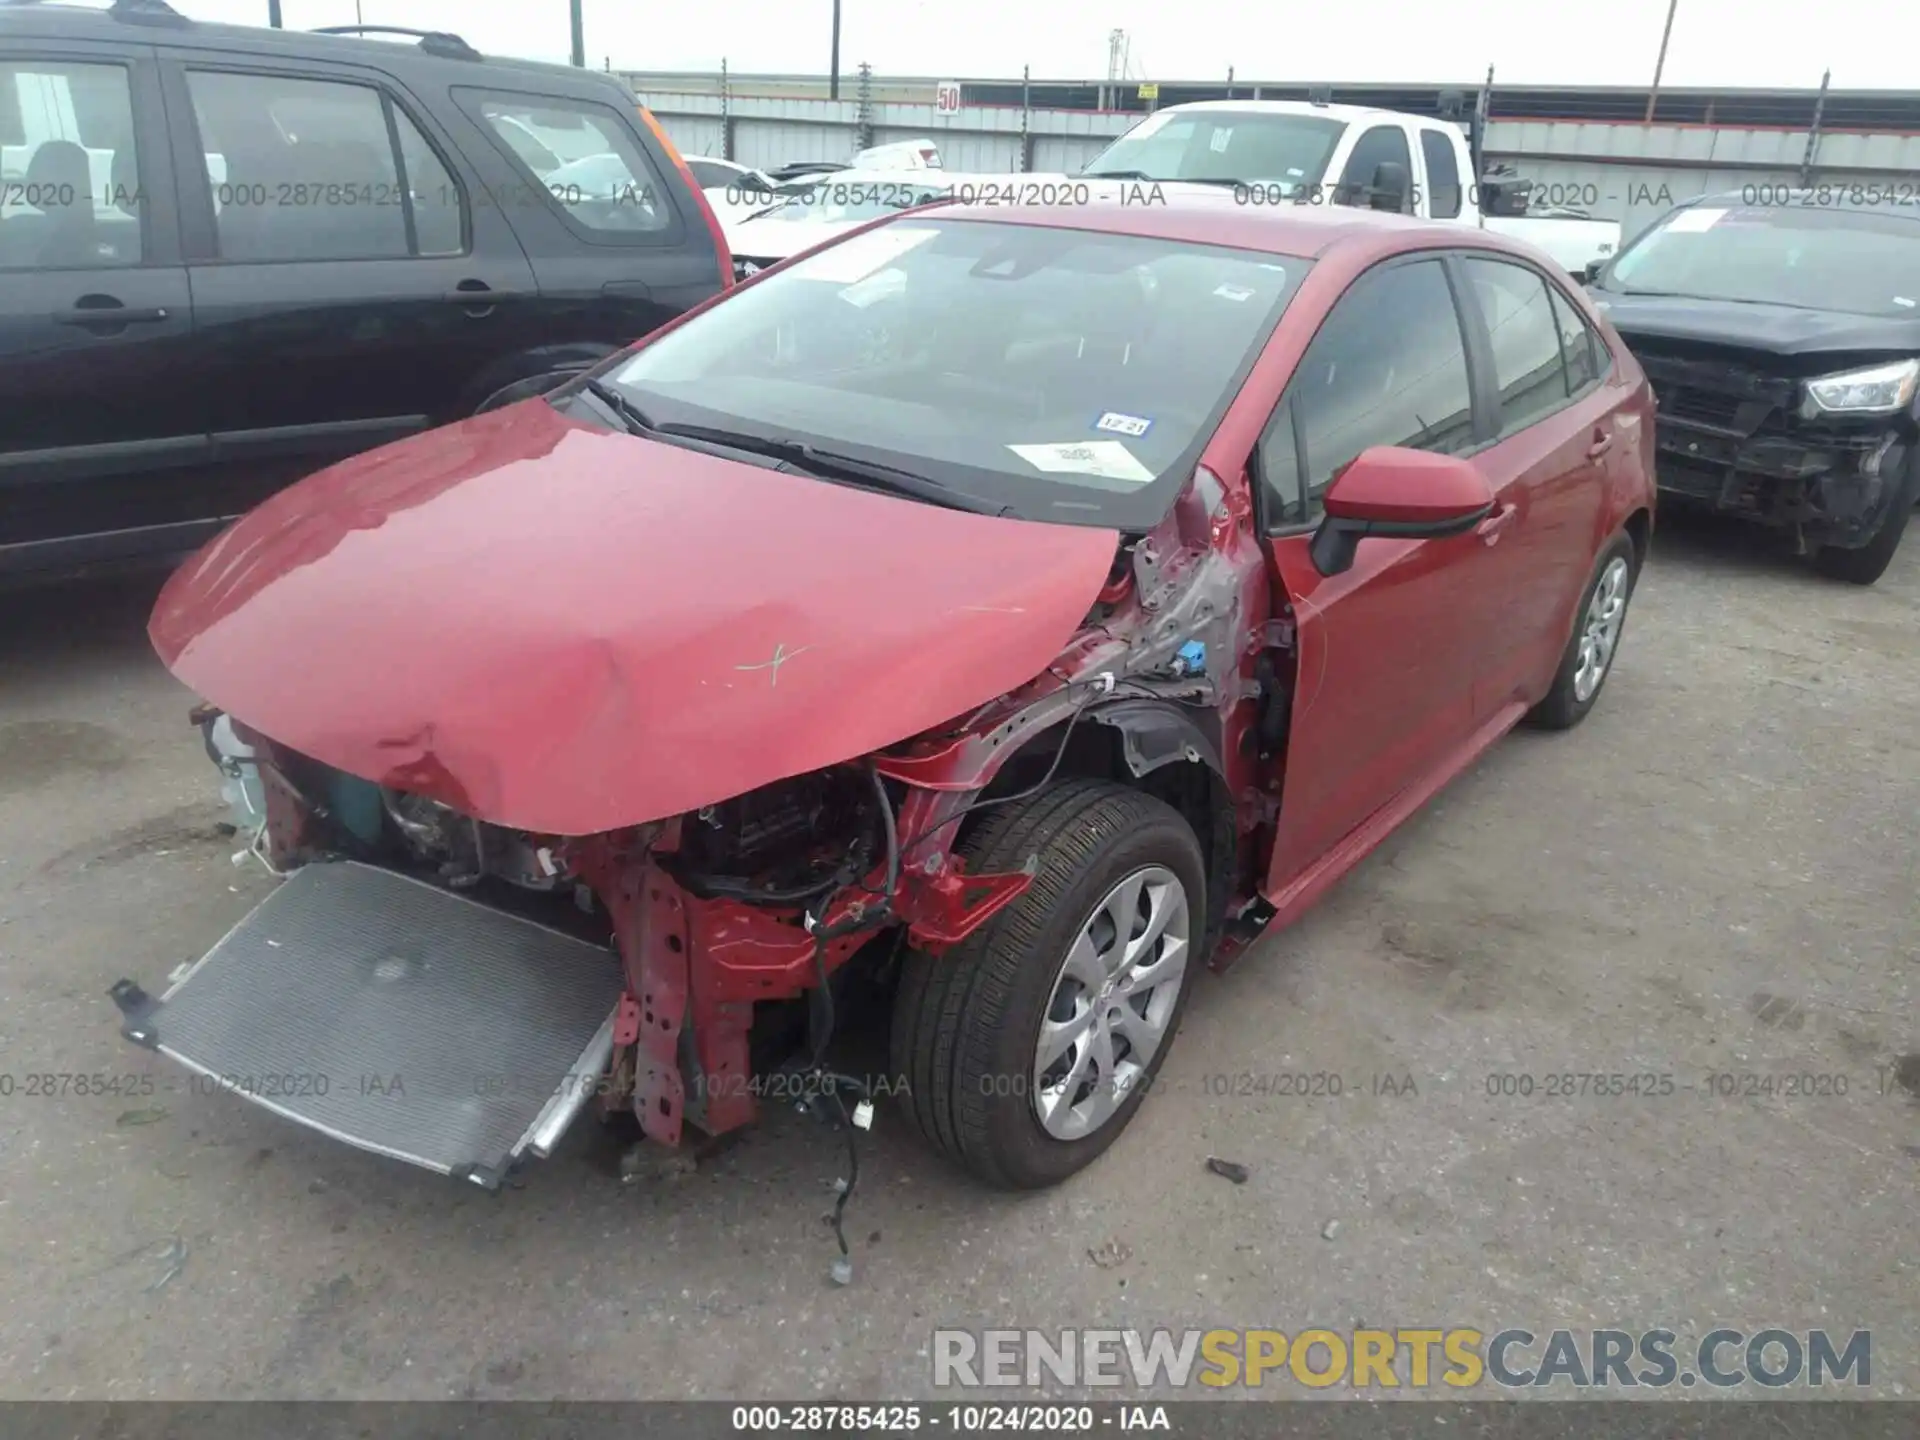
(393, 1015)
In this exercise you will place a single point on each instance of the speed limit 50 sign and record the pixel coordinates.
(946, 98)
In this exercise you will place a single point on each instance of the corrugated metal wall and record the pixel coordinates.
(1617, 171)
(967, 152)
(767, 144)
(696, 134)
(1634, 173)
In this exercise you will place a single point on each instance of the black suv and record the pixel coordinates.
(1781, 330)
(231, 256)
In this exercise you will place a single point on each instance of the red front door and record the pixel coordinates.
(1388, 657)
(1390, 652)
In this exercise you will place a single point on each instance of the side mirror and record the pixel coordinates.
(1408, 494)
(1590, 272)
(1389, 188)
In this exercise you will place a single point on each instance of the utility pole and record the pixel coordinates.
(273, 14)
(1813, 132)
(579, 36)
(1653, 95)
(833, 70)
(863, 110)
(1026, 118)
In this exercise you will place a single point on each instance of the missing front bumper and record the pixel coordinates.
(395, 1016)
(1836, 491)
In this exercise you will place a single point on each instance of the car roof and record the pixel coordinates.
(1217, 215)
(147, 22)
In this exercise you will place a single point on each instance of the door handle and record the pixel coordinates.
(478, 292)
(1490, 529)
(1602, 442)
(106, 311)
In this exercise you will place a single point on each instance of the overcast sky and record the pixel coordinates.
(1868, 44)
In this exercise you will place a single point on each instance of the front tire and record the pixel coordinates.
(1865, 565)
(1589, 656)
(1029, 1046)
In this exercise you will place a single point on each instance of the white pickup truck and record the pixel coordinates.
(1296, 151)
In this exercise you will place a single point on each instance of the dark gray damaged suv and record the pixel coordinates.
(1781, 330)
(230, 256)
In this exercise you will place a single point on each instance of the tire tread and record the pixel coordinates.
(950, 1009)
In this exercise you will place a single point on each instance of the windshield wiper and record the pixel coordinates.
(631, 416)
(1166, 179)
(830, 465)
(1680, 295)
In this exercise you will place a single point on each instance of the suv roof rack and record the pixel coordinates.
(137, 10)
(435, 42)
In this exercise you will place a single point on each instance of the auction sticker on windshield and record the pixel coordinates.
(1688, 221)
(1108, 459)
(859, 256)
(879, 286)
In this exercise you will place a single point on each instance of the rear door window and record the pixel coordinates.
(1526, 341)
(581, 159)
(319, 170)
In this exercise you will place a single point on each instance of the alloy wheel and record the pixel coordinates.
(1600, 629)
(1112, 1000)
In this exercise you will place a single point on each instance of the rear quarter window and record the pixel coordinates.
(1586, 353)
(600, 179)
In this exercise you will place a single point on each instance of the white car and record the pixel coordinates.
(1296, 151)
(921, 154)
(734, 191)
(814, 210)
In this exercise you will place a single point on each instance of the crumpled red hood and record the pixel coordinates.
(565, 630)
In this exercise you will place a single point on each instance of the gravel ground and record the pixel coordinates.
(1715, 874)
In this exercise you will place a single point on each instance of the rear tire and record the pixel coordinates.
(967, 1026)
(1576, 685)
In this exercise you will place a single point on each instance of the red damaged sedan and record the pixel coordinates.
(1011, 611)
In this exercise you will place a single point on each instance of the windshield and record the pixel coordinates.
(1856, 261)
(1067, 375)
(1224, 145)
